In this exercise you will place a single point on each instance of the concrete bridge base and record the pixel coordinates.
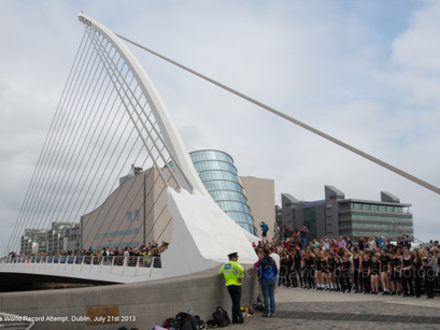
(140, 305)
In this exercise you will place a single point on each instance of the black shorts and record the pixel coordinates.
(265, 234)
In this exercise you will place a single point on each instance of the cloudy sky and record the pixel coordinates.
(367, 72)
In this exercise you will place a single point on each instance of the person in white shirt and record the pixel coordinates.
(277, 260)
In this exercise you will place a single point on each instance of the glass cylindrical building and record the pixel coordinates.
(220, 177)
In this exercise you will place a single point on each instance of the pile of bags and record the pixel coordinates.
(186, 321)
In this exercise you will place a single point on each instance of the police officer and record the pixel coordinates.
(233, 273)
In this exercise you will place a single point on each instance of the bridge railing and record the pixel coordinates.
(118, 261)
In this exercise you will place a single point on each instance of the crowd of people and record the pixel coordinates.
(149, 253)
(368, 266)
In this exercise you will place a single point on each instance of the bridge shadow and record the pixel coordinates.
(10, 282)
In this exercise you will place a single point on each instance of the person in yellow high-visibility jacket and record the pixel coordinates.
(233, 273)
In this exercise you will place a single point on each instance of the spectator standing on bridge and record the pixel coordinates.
(233, 273)
(303, 236)
(267, 274)
(264, 229)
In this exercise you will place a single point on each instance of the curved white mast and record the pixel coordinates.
(170, 133)
(203, 235)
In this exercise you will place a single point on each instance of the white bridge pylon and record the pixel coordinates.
(203, 235)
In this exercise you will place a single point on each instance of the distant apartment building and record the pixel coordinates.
(62, 236)
(337, 216)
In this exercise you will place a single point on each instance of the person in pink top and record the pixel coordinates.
(341, 243)
(260, 256)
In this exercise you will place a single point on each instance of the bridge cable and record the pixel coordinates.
(31, 186)
(35, 201)
(72, 142)
(291, 119)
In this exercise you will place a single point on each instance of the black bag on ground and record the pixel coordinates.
(170, 323)
(258, 305)
(186, 321)
(221, 317)
(200, 324)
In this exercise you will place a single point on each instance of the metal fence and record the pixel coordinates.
(131, 261)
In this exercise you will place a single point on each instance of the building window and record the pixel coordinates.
(136, 215)
(129, 218)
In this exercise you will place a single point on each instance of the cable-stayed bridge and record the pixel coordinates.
(110, 116)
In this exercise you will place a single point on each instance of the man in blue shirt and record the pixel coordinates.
(264, 229)
(267, 274)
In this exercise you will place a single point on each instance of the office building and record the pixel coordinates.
(337, 216)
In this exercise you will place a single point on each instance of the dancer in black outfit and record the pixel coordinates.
(331, 269)
(346, 266)
(284, 270)
(384, 272)
(365, 274)
(325, 276)
(310, 264)
(318, 271)
(296, 269)
(290, 276)
(417, 273)
(394, 272)
(338, 273)
(407, 274)
(303, 266)
(429, 277)
(374, 274)
(355, 270)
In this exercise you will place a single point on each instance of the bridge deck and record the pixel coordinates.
(95, 269)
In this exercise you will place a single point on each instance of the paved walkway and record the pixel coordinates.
(311, 309)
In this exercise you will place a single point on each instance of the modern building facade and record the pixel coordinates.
(220, 177)
(136, 212)
(260, 193)
(336, 216)
(389, 218)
